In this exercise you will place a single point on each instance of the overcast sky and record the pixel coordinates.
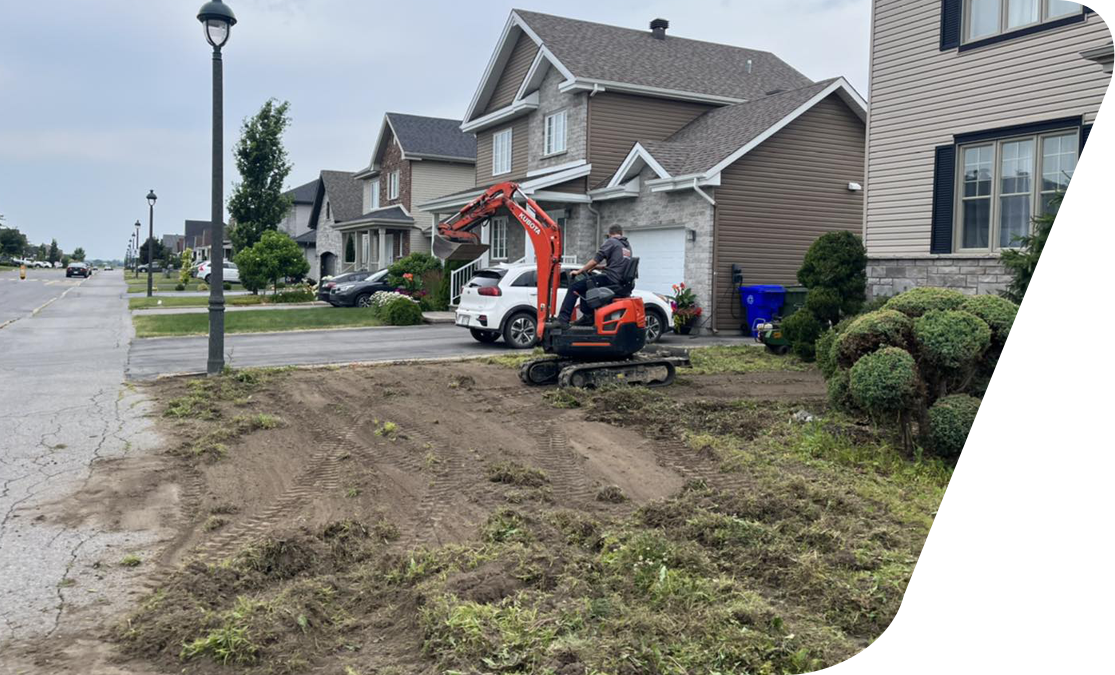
(102, 101)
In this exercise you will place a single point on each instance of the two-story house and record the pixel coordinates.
(712, 157)
(979, 111)
(337, 198)
(297, 221)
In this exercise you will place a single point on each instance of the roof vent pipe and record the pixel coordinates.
(658, 27)
(749, 66)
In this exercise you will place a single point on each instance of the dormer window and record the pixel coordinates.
(554, 142)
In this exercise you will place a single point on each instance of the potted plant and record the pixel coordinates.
(686, 310)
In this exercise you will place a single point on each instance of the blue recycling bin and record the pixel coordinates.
(761, 303)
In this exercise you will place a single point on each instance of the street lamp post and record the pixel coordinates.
(150, 239)
(135, 262)
(218, 20)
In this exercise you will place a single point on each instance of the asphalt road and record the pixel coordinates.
(64, 406)
(20, 298)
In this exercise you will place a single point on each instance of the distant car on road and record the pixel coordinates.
(501, 301)
(358, 293)
(231, 273)
(328, 285)
(78, 269)
(108, 268)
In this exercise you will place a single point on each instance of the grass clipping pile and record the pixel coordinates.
(788, 549)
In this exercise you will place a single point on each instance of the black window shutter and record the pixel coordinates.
(944, 195)
(1084, 131)
(951, 12)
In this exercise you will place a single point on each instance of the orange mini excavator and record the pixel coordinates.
(579, 356)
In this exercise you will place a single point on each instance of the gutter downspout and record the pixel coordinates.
(712, 286)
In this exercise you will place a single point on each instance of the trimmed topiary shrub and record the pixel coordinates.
(950, 420)
(825, 351)
(179, 286)
(824, 303)
(401, 312)
(837, 261)
(917, 301)
(884, 382)
(997, 312)
(839, 390)
(416, 264)
(869, 332)
(951, 340)
(802, 329)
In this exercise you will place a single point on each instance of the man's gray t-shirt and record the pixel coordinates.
(615, 253)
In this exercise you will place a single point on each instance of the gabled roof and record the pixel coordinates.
(345, 193)
(623, 59)
(385, 214)
(304, 194)
(307, 238)
(723, 135)
(419, 137)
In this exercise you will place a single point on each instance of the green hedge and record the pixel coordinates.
(950, 420)
(401, 312)
(869, 332)
(997, 312)
(917, 301)
(801, 329)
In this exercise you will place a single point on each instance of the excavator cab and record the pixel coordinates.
(581, 356)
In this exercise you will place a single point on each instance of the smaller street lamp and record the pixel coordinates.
(138, 250)
(150, 239)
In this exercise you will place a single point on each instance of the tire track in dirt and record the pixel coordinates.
(437, 499)
(562, 466)
(694, 465)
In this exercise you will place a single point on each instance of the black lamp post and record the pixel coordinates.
(150, 238)
(135, 261)
(218, 20)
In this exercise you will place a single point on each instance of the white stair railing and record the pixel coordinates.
(459, 277)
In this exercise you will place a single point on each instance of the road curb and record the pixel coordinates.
(325, 366)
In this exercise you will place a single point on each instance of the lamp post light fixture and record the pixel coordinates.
(150, 239)
(217, 19)
(139, 250)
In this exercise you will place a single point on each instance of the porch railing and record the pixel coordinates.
(459, 277)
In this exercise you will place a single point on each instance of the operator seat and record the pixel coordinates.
(598, 296)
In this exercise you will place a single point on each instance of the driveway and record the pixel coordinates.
(65, 409)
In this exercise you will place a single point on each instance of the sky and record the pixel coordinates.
(102, 101)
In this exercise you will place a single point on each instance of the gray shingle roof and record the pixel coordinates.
(394, 214)
(304, 194)
(307, 238)
(704, 142)
(601, 52)
(346, 194)
(433, 136)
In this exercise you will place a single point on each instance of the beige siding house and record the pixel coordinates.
(979, 110)
(710, 156)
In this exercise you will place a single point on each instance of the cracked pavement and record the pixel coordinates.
(65, 408)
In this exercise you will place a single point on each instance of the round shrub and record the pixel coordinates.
(401, 312)
(837, 261)
(866, 333)
(416, 264)
(227, 286)
(802, 329)
(951, 340)
(179, 286)
(885, 381)
(917, 301)
(997, 312)
(839, 390)
(825, 353)
(950, 420)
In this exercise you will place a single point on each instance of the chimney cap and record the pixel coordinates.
(659, 24)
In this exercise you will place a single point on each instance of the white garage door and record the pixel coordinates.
(661, 255)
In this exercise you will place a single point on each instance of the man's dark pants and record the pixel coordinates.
(577, 290)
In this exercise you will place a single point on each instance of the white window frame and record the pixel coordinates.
(1037, 196)
(501, 151)
(554, 133)
(1004, 14)
(393, 185)
(375, 195)
(498, 238)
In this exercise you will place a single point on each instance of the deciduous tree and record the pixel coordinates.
(257, 203)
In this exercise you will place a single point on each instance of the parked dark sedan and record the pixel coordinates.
(77, 269)
(359, 293)
(329, 284)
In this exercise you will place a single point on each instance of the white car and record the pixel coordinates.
(232, 275)
(501, 301)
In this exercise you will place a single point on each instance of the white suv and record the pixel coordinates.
(232, 275)
(501, 301)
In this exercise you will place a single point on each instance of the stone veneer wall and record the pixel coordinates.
(576, 124)
(973, 276)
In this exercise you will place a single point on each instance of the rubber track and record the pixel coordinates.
(562, 467)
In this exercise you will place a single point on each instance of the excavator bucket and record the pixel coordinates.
(447, 249)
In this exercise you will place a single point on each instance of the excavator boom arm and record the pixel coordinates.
(458, 238)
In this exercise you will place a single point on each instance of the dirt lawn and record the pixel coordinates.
(443, 517)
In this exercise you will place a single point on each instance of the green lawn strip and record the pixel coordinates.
(255, 322)
(165, 302)
(166, 285)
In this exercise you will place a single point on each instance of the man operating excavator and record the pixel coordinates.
(613, 258)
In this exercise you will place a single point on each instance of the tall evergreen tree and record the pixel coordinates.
(78, 254)
(257, 203)
(53, 255)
